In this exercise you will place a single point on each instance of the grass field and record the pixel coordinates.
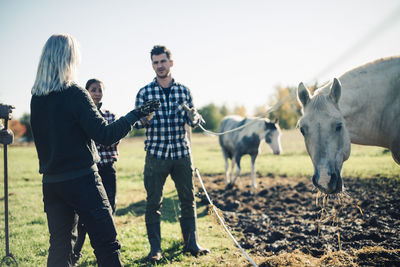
(28, 225)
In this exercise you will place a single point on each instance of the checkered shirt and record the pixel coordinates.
(108, 154)
(165, 133)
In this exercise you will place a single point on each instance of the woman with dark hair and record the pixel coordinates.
(65, 121)
(108, 155)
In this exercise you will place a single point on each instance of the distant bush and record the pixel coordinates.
(212, 115)
(26, 121)
(17, 128)
(137, 132)
(290, 111)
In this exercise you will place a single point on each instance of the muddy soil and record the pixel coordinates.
(282, 215)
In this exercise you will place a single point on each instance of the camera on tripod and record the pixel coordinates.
(5, 111)
(6, 135)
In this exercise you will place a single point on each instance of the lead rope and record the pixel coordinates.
(221, 221)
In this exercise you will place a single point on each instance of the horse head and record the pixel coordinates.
(273, 136)
(326, 137)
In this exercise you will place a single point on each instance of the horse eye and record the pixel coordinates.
(338, 127)
(302, 131)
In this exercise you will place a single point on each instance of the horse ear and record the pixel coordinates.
(335, 91)
(303, 95)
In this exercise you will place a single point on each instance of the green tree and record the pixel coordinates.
(290, 111)
(212, 116)
(224, 111)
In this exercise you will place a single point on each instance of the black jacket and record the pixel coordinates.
(64, 125)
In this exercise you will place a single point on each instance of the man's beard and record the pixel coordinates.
(162, 76)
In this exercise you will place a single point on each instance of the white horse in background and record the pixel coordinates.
(247, 141)
(363, 108)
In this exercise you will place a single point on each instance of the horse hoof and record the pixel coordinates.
(229, 186)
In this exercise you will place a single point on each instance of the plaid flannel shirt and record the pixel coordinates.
(165, 133)
(108, 154)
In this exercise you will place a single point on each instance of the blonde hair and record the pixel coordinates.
(58, 64)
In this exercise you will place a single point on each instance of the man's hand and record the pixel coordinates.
(6, 137)
(147, 108)
(194, 116)
(5, 111)
(150, 116)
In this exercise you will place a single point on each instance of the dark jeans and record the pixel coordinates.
(155, 175)
(109, 179)
(86, 197)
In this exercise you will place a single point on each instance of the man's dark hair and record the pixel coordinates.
(91, 81)
(160, 49)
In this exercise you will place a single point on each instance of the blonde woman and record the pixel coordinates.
(65, 121)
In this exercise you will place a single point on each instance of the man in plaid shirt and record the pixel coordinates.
(168, 152)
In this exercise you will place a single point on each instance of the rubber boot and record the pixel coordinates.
(188, 226)
(153, 233)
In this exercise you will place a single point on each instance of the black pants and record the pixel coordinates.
(86, 197)
(109, 179)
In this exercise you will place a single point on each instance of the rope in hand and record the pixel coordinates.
(221, 220)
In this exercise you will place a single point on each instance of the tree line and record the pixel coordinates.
(288, 113)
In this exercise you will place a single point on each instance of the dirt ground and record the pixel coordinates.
(281, 223)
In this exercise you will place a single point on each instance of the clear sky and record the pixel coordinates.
(226, 51)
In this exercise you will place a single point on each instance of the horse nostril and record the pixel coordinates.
(333, 183)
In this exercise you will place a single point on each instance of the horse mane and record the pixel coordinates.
(257, 124)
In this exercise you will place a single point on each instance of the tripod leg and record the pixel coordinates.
(6, 194)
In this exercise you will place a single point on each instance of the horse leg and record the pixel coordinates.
(253, 170)
(233, 165)
(236, 159)
(227, 177)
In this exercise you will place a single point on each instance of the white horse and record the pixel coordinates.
(247, 141)
(363, 108)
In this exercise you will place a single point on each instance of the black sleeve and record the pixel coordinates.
(95, 126)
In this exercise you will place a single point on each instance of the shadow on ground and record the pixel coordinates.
(170, 255)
